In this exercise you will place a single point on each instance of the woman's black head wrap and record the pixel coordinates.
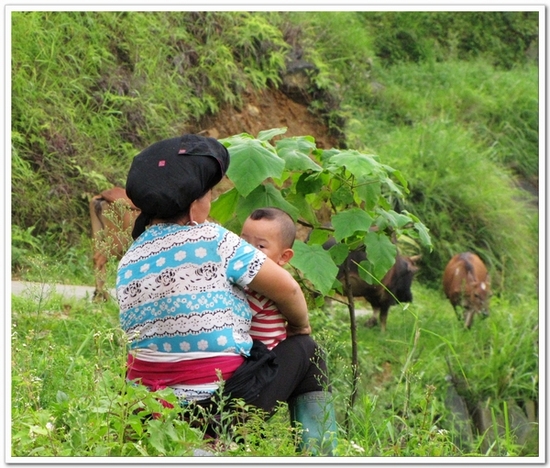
(165, 178)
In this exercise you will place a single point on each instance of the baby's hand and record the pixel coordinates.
(291, 330)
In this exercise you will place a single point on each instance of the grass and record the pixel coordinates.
(72, 265)
(103, 63)
(405, 373)
(440, 126)
(69, 397)
(497, 106)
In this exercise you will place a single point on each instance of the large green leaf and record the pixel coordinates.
(306, 212)
(316, 265)
(342, 196)
(251, 164)
(339, 252)
(369, 191)
(398, 175)
(359, 164)
(318, 236)
(393, 186)
(394, 219)
(223, 208)
(261, 197)
(325, 155)
(309, 183)
(421, 229)
(381, 253)
(295, 151)
(424, 235)
(348, 222)
(266, 135)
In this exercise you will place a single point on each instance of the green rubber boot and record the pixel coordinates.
(314, 411)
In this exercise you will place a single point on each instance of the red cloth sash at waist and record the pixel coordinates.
(158, 375)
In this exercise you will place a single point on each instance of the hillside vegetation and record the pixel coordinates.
(448, 99)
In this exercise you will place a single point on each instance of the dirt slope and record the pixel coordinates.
(263, 111)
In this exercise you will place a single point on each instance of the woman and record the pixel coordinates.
(182, 304)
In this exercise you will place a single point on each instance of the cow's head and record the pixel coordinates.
(401, 279)
(477, 301)
(479, 297)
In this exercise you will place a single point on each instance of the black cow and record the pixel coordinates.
(396, 284)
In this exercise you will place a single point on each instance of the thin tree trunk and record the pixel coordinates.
(354, 353)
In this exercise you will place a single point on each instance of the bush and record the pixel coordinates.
(502, 37)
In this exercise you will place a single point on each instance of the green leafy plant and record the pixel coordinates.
(354, 188)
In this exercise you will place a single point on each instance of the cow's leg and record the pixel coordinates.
(456, 301)
(97, 204)
(100, 262)
(457, 313)
(383, 317)
(373, 321)
(468, 317)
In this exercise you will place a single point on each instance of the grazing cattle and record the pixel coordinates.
(112, 215)
(395, 287)
(467, 285)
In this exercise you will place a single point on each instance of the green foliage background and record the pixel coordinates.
(450, 99)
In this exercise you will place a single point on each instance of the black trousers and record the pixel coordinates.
(295, 366)
(301, 368)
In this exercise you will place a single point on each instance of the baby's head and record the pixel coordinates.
(272, 231)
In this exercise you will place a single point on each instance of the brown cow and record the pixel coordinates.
(395, 287)
(112, 215)
(467, 285)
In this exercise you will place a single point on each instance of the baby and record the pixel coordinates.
(272, 231)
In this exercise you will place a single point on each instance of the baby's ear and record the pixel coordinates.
(285, 257)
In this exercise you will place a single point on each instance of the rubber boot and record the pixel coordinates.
(315, 413)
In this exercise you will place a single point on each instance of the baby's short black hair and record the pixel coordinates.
(288, 228)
